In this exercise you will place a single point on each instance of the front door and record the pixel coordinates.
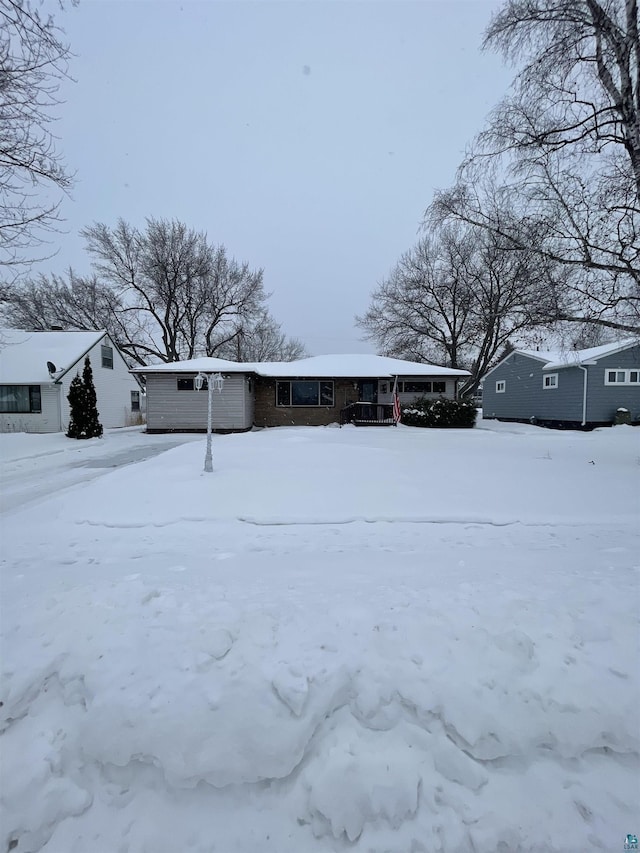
(368, 391)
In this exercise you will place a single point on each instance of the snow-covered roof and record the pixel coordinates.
(24, 355)
(353, 365)
(571, 358)
(540, 355)
(205, 364)
(375, 366)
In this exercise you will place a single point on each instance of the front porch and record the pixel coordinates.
(367, 414)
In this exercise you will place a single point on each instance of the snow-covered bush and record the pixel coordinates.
(427, 412)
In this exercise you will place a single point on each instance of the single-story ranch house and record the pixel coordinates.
(36, 369)
(576, 389)
(311, 391)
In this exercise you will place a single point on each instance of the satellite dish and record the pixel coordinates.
(51, 367)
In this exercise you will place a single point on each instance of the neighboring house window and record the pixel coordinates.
(185, 383)
(622, 377)
(107, 356)
(550, 380)
(304, 392)
(439, 387)
(135, 401)
(501, 386)
(20, 399)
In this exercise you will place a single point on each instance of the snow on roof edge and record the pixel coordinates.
(339, 366)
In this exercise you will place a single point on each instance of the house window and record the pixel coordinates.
(20, 399)
(501, 386)
(416, 387)
(422, 386)
(107, 356)
(135, 401)
(550, 380)
(186, 383)
(622, 377)
(304, 392)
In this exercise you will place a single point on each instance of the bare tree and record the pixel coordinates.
(588, 248)
(33, 62)
(46, 302)
(179, 296)
(456, 298)
(579, 87)
(422, 309)
(561, 155)
(260, 338)
(164, 293)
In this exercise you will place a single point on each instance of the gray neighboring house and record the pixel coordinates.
(576, 389)
(314, 391)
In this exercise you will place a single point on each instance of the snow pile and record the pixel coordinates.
(211, 685)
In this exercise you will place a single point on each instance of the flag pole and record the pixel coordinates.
(396, 403)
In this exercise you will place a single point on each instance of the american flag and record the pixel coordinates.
(396, 403)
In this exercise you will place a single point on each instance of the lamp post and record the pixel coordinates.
(213, 380)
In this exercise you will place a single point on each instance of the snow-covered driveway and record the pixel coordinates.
(391, 641)
(33, 467)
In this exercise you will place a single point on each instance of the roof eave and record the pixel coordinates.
(84, 354)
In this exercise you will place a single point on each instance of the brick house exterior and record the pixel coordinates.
(268, 413)
(309, 392)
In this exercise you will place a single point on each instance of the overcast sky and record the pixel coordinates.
(307, 137)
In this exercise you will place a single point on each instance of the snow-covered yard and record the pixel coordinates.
(391, 641)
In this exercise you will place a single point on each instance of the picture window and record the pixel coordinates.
(20, 399)
(304, 392)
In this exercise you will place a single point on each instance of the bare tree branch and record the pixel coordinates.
(33, 62)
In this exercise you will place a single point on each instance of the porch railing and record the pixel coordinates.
(367, 414)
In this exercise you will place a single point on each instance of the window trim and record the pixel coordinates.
(427, 382)
(105, 349)
(553, 384)
(292, 405)
(431, 383)
(189, 381)
(32, 392)
(503, 383)
(135, 401)
(627, 376)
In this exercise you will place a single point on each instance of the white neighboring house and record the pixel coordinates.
(36, 369)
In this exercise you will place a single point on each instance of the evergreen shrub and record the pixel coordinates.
(427, 412)
(84, 421)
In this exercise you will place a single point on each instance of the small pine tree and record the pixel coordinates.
(94, 427)
(76, 404)
(84, 421)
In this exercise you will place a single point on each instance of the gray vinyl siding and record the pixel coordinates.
(603, 400)
(525, 398)
(170, 409)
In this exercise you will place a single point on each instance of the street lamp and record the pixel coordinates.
(213, 380)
